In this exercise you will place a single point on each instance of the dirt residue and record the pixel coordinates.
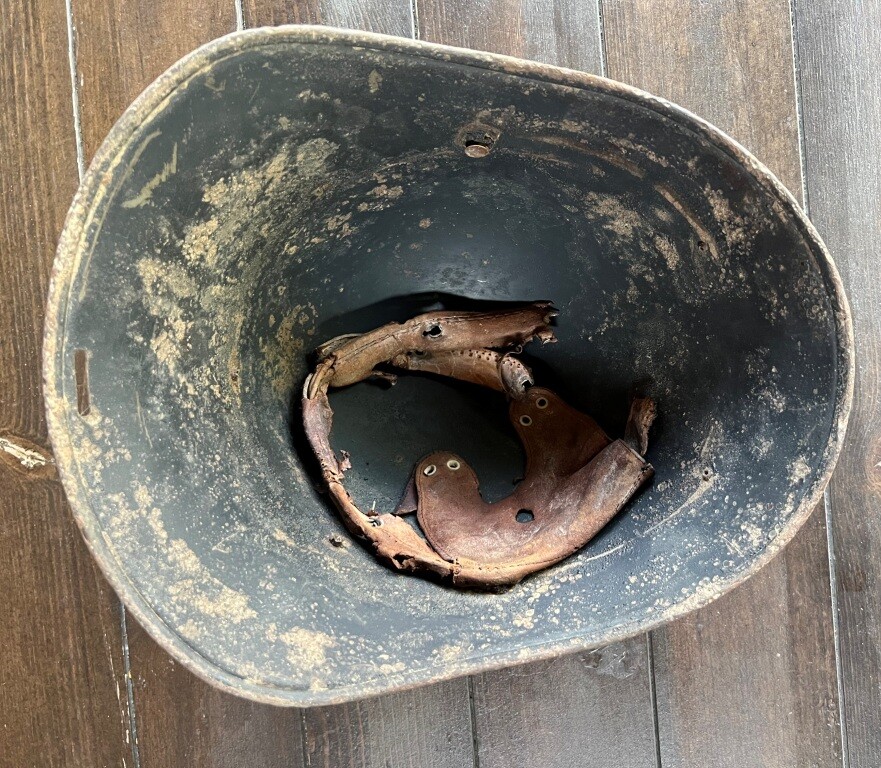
(694, 222)
(799, 470)
(284, 349)
(191, 630)
(203, 591)
(667, 250)
(307, 649)
(734, 227)
(312, 156)
(279, 535)
(165, 284)
(233, 201)
(449, 653)
(525, 619)
(385, 191)
(199, 299)
(614, 215)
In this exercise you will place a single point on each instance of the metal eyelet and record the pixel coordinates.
(542, 402)
(453, 464)
(525, 420)
(429, 470)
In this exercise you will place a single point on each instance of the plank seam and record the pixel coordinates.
(827, 499)
(799, 117)
(414, 20)
(129, 689)
(836, 629)
(601, 30)
(653, 696)
(303, 737)
(473, 712)
(75, 91)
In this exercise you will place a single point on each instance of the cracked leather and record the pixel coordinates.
(576, 478)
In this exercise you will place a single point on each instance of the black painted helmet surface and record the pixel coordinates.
(282, 186)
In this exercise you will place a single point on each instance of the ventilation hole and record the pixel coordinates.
(433, 332)
(81, 377)
(453, 464)
(707, 473)
(525, 420)
(429, 470)
(525, 516)
(702, 245)
(542, 402)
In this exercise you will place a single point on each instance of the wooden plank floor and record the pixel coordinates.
(783, 671)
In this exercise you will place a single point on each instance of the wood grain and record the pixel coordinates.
(586, 709)
(750, 680)
(61, 667)
(389, 17)
(123, 45)
(561, 32)
(583, 709)
(183, 721)
(426, 728)
(839, 49)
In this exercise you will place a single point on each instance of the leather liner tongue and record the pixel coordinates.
(576, 478)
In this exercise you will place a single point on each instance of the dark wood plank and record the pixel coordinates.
(586, 709)
(122, 46)
(750, 680)
(390, 17)
(183, 721)
(62, 699)
(426, 728)
(561, 32)
(839, 49)
(583, 709)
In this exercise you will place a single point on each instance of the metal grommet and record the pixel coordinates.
(453, 464)
(542, 402)
(477, 149)
(525, 420)
(429, 470)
